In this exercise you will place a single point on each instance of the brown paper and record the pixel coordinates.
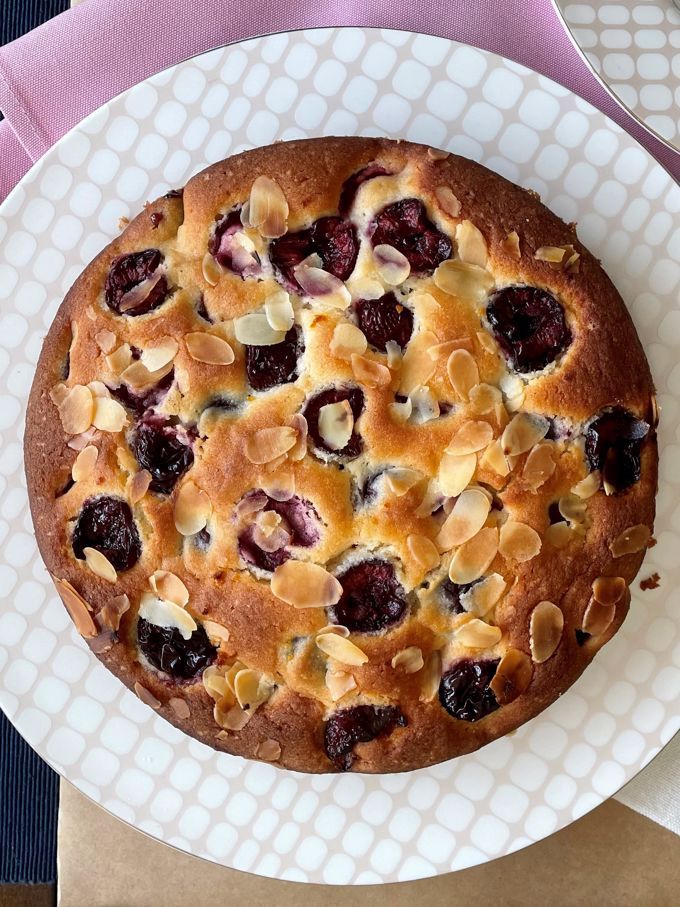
(613, 856)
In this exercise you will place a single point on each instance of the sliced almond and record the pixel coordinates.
(146, 696)
(268, 750)
(163, 613)
(432, 499)
(447, 201)
(545, 631)
(215, 683)
(347, 340)
(216, 632)
(572, 508)
(510, 245)
(456, 473)
(484, 398)
(98, 389)
(251, 689)
(522, 432)
(109, 415)
(334, 628)
(212, 270)
(299, 450)
(630, 541)
(58, 393)
(84, 463)
(319, 284)
(138, 376)
(417, 366)
(336, 424)
(444, 350)
(401, 411)
(471, 244)
(100, 565)
(465, 520)
(208, 348)
(424, 405)
(474, 557)
(231, 718)
(341, 649)
(554, 255)
(519, 542)
(493, 458)
(559, 535)
(111, 613)
(77, 607)
(279, 312)
(76, 410)
(170, 587)
(513, 676)
(180, 707)
(463, 372)
(399, 480)
(539, 466)
(423, 551)
(268, 208)
(425, 305)
(409, 660)
(465, 281)
(475, 634)
(138, 485)
(79, 442)
(365, 288)
(281, 486)
(119, 359)
(588, 486)
(436, 154)
(339, 683)
(392, 265)
(597, 617)
(305, 585)
(105, 340)
(255, 330)
(395, 356)
(370, 373)
(514, 390)
(192, 509)
(484, 595)
(158, 356)
(430, 677)
(267, 444)
(608, 590)
(470, 437)
(139, 293)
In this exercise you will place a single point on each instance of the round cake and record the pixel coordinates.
(343, 457)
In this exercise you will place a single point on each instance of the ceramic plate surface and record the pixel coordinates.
(633, 46)
(341, 829)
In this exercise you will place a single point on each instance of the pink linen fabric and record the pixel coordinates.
(57, 74)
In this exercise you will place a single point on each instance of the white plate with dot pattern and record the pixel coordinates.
(342, 829)
(633, 47)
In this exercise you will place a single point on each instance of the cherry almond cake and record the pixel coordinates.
(344, 456)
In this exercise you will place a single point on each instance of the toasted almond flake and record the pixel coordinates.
(572, 508)
(279, 312)
(180, 707)
(158, 356)
(164, 613)
(425, 305)
(475, 634)
(138, 376)
(216, 632)
(436, 154)
(103, 642)
(212, 270)
(597, 617)
(268, 750)
(341, 649)
(395, 356)
(401, 411)
(319, 284)
(487, 342)
(76, 410)
(417, 366)
(251, 503)
(336, 424)
(522, 432)
(77, 607)
(276, 464)
(588, 486)
(233, 718)
(424, 405)
(192, 509)
(369, 372)
(551, 254)
(146, 696)
(84, 463)
(339, 683)
(519, 542)
(465, 520)
(471, 244)
(470, 437)
(494, 458)
(444, 350)
(208, 348)
(392, 266)
(98, 389)
(111, 613)
(109, 415)
(266, 444)
(559, 535)
(334, 628)
(447, 201)
(58, 393)
(268, 208)
(365, 288)
(100, 565)
(299, 450)
(138, 485)
(254, 329)
(119, 359)
(409, 660)
(305, 585)
(432, 499)
(456, 472)
(608, 590)
(463, 372)
(513, 676)
(630, 541)
(268, 534)
(539, 466)
(510, 245)
(105, 340)
(215, 683)
(170, 587)
(545, 631)
(467, 282)
(139, 293)
(484, 398)
(250, 689)
(484, 595)
(347, 341)
(281, 486)
(399, 480)
(430, 677)
(474, 557)
(654, 407)
(423, 551)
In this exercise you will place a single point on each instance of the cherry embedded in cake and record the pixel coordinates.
(316, 445)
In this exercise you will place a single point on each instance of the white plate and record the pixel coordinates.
(337, 829)
(633, 48)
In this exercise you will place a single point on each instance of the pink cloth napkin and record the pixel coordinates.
(51, 78)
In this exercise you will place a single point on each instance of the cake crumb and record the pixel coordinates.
(652, 582)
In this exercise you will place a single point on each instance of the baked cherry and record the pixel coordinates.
(300, 520)
(529, 325)
(351, 186)
(406, 226)
(613, 443)
(128, 272)
(333, 239)
(464, 690)
(163, 448)
(106, 523)
(168, 651)
(372, 598)
(225, 249)
(269, 366)
(140, 403)
(360, 724)
(355, 398)
(383, 320)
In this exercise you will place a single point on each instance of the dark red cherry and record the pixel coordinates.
(464, 690)
(223, 249)
(529, 325)
(351, 186)
(140, 403)
(334, 395)
(169, 652)
(106, 523)
(301, 521)
(372, 598)
(406, 226)
(333, 239)
(383, 320)
(269, 366)
(613, 443)
(163, 448)
(127, 272)
(360, 724)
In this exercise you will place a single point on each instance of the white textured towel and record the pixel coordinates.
(655, 792)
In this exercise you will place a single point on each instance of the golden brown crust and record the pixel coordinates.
(591, 376)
